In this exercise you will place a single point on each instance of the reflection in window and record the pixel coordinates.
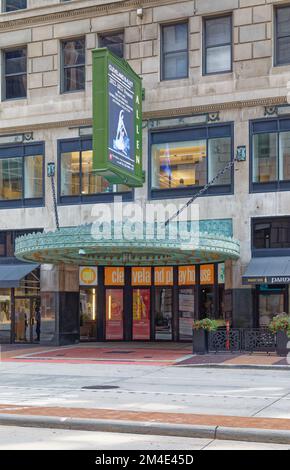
(218, 45)
(12, 5)
(207, 302)
(177, 165)
(219, 154)
(10, 179)
(114, 42)
(271, 233)
(282, 36)
(186, 313)
(284, 156)
(5, 315)
(73, 57)
(265, 162)
(88, 314)
(175, 51)
(33, 177)
(78, 177)
(163, 314)
(15, 73)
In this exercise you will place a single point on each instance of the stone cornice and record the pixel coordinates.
(166, 113)
(66, 12)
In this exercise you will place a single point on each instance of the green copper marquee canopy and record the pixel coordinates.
(209, 241)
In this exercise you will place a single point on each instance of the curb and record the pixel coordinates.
(234, 366)
(149, 428)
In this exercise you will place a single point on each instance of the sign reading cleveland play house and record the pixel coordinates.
(117, 120)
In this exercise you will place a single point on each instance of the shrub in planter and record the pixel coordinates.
(201, 328)
(280, 325)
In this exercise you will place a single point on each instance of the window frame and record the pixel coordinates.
(278, 185)
(204, 47)
(3, 81)
(4, 8)
(216, 190)
(162, 53)
(275, 26)
(267, 252)
(24, 202)
(79, 144)
(102, 35)
(63, 91)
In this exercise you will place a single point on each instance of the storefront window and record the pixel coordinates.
(48, 316)
(141, 314)
(186, 313)
(163, 314)
(273, 233)
(5, 315)
(219, 155)
(10, 179)
(272, 300)
(221, 312)
(265, 163)
(88, 314)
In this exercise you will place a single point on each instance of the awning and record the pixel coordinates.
(268, 271)
(12, 274)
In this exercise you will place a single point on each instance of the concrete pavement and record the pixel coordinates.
(14, 438)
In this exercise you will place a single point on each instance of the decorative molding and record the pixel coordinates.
(271, 110)
(166, 113)
(65, 13)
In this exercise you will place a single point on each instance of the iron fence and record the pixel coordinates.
(242, 339)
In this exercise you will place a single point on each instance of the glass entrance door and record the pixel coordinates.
(163, 314)
(141, 314)
(114, 314)
(27, 320)
(88, 314)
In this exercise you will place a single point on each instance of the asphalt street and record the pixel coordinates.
(249, 393)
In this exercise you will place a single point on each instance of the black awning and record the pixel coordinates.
(268, 271)
(12, 274)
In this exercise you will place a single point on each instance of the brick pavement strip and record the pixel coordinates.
(275, 424)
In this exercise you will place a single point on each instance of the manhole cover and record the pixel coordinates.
(119, 352)
(100, 387)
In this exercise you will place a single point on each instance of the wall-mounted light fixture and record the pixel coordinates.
(140, 13)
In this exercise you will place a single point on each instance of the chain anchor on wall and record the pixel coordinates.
(51, 176)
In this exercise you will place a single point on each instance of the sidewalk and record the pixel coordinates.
(151, 354)
(155, 423)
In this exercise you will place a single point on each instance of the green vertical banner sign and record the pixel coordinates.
(117, 120)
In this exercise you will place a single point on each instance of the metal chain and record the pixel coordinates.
(54, 202)
(202, 190)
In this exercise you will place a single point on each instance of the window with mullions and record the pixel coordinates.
(78, 182)
(21, 175)
(217, 42)
(174, 51)
(185, 159)
(15, 67)
(282, 39)
(74, 65)
(114, 42)
(271, 233)
(270, 155)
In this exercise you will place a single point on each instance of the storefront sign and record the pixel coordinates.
(141, 277)
(207, 274)
(221, 273)
(117, 120)
(163, 276)
(141, 314)
(266, 280)
(114, 276)
(186, 275)
(88, 276)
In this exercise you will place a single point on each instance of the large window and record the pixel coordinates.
(174, 51)
(186, 159)
(12, 5)
(282, 36)
(114, 42)
(21, 175)
(271, 233)
(78, 182)
(15, 67)
(217, 45)
(73, 65)
(271, 155)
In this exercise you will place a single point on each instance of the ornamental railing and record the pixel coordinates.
(242, 339)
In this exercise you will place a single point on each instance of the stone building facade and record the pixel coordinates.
(243, 100)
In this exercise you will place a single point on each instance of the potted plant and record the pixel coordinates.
(201, 328)
(280, 325)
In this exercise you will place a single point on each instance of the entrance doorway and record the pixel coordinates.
(272, 300)
(27, 320)
(88, 314)
(114, 314)
(141, 314)
(163, 314)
